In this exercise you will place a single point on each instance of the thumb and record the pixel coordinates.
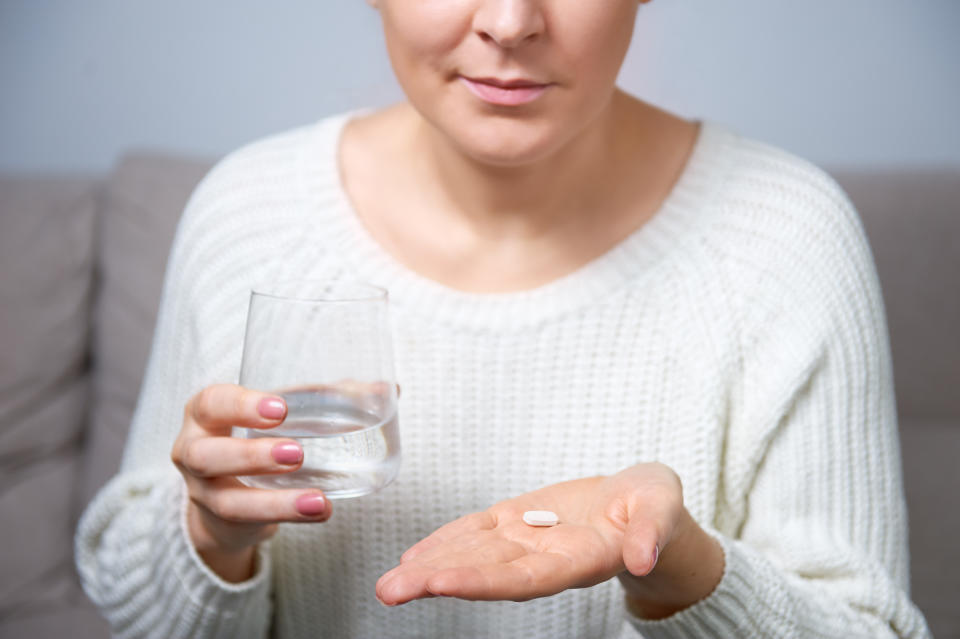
(649, 530)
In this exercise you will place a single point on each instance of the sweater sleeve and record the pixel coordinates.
(811, 513)
(133, 552)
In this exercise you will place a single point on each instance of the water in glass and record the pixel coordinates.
(350, 441)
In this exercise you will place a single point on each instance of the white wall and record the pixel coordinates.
(842, 82)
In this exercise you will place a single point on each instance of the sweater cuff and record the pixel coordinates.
(242, 606)
(726, 612)
(136, 562)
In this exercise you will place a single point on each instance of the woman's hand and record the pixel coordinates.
(632, 524)
(226, 519)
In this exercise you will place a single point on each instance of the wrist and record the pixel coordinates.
(688, 570)
(233, 567)
(233, 564)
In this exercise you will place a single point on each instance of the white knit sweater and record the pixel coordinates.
(738, 337)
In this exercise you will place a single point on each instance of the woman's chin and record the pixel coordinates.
(506, 148)
(506, 138)
(505, 158)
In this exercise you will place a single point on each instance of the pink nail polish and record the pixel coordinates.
(272, 408)
(288, 453)
(311, 505)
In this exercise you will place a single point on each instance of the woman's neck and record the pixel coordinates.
(480, 228)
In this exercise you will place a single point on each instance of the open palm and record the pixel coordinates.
(607, 525)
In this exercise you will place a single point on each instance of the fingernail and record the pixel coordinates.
(656, 555)
(272, 407)
(311, 505)
(288, 453)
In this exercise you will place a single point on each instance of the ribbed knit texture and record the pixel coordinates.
(738, 337)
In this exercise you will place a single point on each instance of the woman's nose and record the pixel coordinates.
(509, 23)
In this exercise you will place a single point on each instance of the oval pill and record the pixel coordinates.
(540, 518)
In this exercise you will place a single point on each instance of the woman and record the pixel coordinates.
(669, 335)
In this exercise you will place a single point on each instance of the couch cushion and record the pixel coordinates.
(932, 481)
(76, 621)
(46, 261)
(913, 222)
(142, 202)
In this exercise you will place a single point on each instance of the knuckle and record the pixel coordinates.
(677, 486)
(176, 452)
(197, 501)
(674, 509)
(669, 476)
(667, 499)
(242, 399)
(193, 459)
(252, 455)
(201, 496)
(662, 468)
(178, 464)
(221, 505)
(197, 497)
(203, 405)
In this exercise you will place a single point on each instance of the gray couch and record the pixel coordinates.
(81, 265)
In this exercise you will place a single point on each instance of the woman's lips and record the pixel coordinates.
(504, 93)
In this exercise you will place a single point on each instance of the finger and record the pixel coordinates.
(223, 456)
(409, 580)
(217, 408)
(229, 500)
(404, 583)
(472, 522)
(530, 576)
(649, 530)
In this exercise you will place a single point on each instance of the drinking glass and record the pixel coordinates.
(324, 346)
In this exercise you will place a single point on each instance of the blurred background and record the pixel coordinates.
(851, 83)
(111, 111)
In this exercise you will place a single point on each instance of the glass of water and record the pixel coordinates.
(324, 346)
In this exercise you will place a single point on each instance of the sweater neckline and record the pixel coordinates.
(594, 283)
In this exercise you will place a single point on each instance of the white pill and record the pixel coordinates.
(540, 518)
